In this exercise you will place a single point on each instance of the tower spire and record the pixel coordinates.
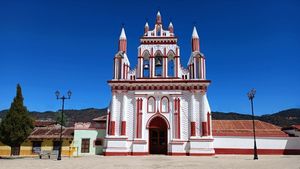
(122, 40)
(158, 18)
(146, 28)
(171, 28)
(195, 40)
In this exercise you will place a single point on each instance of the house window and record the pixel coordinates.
(151, 104)
(164, 104)
(36, 146)
(85, 145)
(99, 142)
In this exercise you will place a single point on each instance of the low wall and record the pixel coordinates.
(265, 145)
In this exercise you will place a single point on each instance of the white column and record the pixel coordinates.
(113, 107)
(124, 107)
(192, 107)
(142, 68)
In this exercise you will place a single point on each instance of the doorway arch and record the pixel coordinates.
(158, 135)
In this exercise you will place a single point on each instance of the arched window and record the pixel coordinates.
(171, 68)
(151, 105)
(158, 65)
(164, 105)
(146, 68)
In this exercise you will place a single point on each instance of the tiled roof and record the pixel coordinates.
(292, 127)
(296, 126)
(245, 128)
(51, 132)
(100, 118)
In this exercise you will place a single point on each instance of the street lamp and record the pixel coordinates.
(63, 98)
(251, 97)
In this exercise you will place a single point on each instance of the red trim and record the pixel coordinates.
(115, 153)
(204, 128)
(175, 118)
(168, 106)
(177, 154)
(259, 151)
(116, 138)
(112, 128)
(202, 139)
(178, 120)
(208, 123)
(201, 154)
(250, 134)
(123, 128)
(139, 153)
(108, 127)
(140, 118)
(193, 128)
(137, 117)
(157, 115)
(159, 80)
(189, 154)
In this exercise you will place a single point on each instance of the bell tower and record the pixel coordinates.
(158, 52)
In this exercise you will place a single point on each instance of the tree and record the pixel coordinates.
(17, 125)
(61, 121)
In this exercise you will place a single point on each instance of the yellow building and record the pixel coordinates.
(42, 140)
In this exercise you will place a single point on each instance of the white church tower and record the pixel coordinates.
(159, 107)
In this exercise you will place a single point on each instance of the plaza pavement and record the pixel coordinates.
(156, 162)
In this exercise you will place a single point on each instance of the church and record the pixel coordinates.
(161, 106)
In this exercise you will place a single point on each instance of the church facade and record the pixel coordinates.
(160, 106)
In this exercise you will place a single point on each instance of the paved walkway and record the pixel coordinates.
(155, 162)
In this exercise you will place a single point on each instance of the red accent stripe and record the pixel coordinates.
(108, 127)
(137, 117)
(123, 128)
(208, 123)
(259, 151)
(112, 128)
(175, 118)
(193, 128)
(178, 120)
(204, 128)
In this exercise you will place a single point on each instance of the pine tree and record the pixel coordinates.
(17, 125)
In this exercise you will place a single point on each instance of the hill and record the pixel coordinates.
(283, 118)
(83, 115)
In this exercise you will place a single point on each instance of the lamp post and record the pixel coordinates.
(251, 95)
(63, 98)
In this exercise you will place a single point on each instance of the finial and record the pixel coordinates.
(123, 35)
(195, 33)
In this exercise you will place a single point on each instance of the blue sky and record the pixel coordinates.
(50, 45)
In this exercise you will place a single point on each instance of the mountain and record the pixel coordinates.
(83, 115)
(283, 118)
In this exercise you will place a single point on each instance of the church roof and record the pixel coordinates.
(245, 128)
